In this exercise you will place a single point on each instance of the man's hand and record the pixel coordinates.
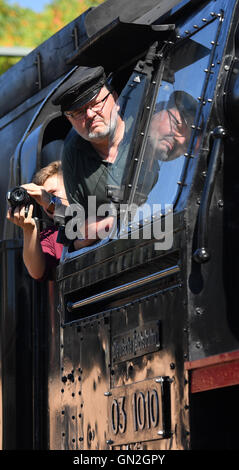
(95, 230)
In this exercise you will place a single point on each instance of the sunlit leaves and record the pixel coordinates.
(24, 27)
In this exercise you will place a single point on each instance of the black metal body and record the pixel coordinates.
(97, 359)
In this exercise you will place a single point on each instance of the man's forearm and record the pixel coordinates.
(33, 255)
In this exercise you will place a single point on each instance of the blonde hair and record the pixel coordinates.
(49, 170)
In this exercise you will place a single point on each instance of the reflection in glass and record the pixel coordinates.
(171, 124)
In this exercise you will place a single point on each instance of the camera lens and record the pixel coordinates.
(18, 197)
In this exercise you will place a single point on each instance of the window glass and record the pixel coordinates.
(128, 109)
(170, 129)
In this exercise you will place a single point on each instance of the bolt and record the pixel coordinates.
(198, 310)
(109, 442)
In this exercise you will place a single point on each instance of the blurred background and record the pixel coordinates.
(25, 24)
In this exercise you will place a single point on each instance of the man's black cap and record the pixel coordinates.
(185, 103)
(82, 86)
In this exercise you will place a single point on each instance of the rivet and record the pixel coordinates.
(159, 380)
(226, 68)
(199, 310)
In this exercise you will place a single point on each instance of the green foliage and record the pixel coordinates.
(6, 63)
(24, 27)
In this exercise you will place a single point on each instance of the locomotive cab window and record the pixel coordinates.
(175, 130)
(172, 134)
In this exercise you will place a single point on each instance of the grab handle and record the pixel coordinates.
(201, 254)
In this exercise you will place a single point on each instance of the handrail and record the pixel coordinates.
(201, 254)
(123, 288)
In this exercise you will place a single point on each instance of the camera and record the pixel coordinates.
(18, 197)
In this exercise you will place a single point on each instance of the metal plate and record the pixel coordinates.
(136, 342)
(139, 412)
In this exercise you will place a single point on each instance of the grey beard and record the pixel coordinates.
(162, 155)
(95, 135)
(109, 130)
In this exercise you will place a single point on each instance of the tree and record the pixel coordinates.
(23, 27)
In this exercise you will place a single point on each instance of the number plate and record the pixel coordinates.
(140, 412)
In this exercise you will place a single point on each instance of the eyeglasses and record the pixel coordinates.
(80, 113)
(176, 125)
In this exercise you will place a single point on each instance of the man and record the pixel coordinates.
(168, 138)
(41, 252)
(91, 158)
(170, 128)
